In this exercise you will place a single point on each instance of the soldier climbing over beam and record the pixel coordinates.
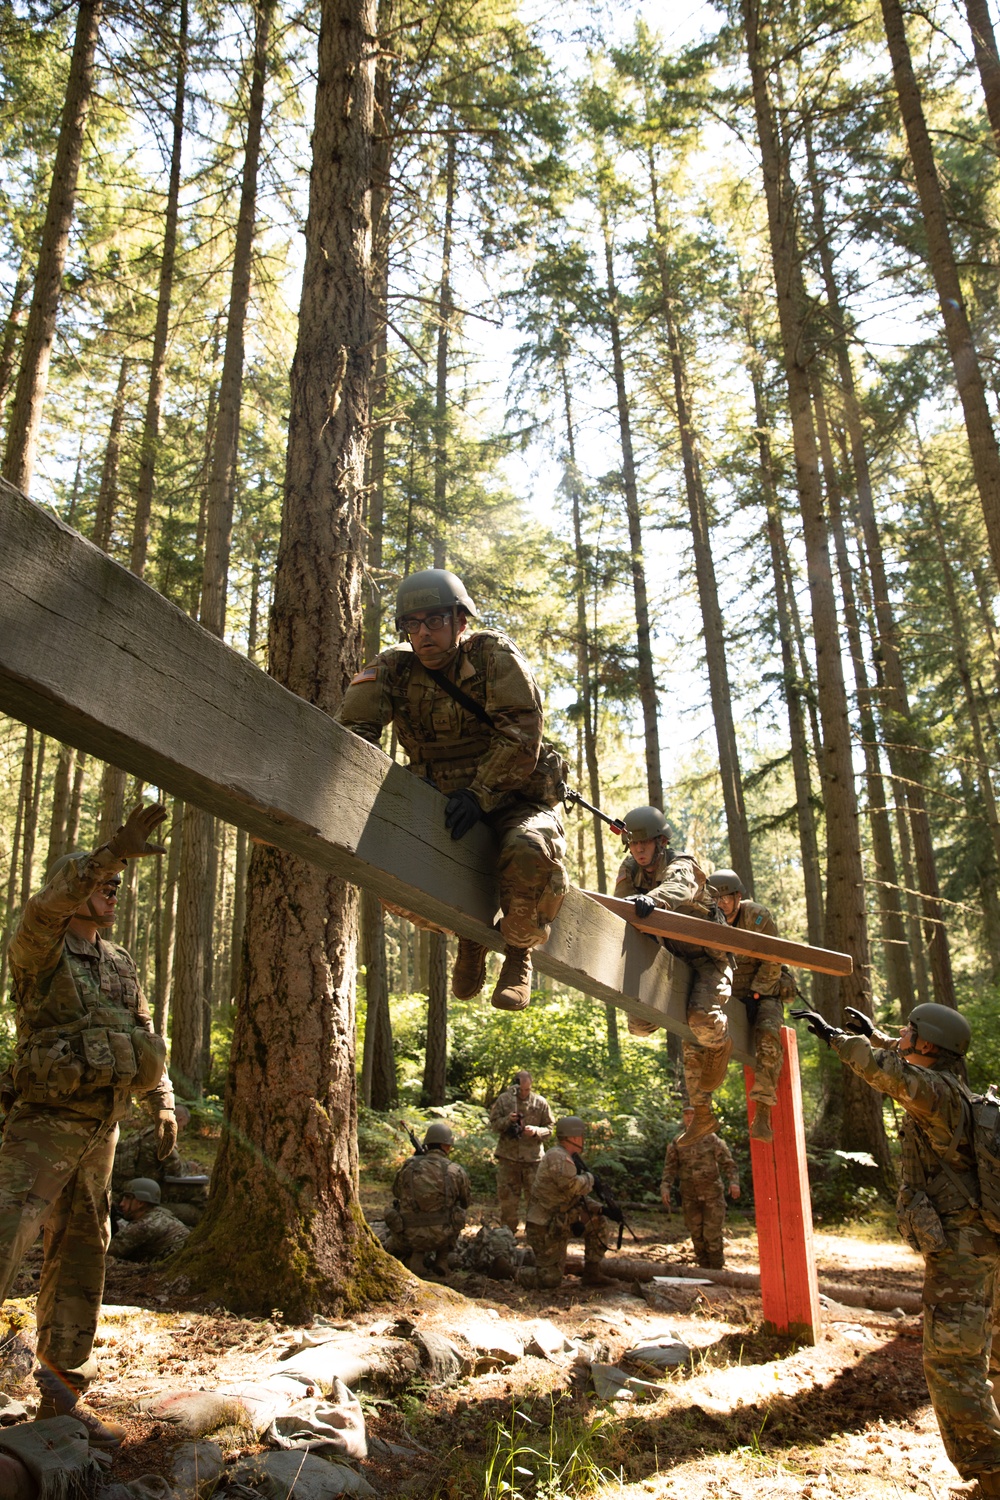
(469, 716)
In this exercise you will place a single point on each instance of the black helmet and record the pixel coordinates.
(645, 823)
(433, 588)
(943, 1026)
(725, 883)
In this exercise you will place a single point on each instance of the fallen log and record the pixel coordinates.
(631, 1268)
(673, 924)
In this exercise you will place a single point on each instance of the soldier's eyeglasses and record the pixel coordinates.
(411, 626)
(110, 887)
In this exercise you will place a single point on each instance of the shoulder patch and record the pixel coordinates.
(368, 674)
(758, 919)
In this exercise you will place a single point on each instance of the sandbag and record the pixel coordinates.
(323, 1426)
(298, 1476)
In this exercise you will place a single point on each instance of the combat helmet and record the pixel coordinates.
(432, 588)
(645, 823)
(143, 1188)
(570, 1125)
(726, 883)
(439, 1134)
(943, 1026)
(63, 861)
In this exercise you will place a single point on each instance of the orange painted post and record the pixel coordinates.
(788, 1284)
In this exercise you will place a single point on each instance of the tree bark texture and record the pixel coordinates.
(107, 494)
(167, 918)
(283, 1227)
(23, 804)
(8, 347)
(62, 786)
(958, 333)
(187, 996)
(446, 311)
(987, 61)
(434, 1086)
(158, 356)
(40, 330)
(378, 1074)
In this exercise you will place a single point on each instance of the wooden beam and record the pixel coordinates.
(95, 657)
(673, 924)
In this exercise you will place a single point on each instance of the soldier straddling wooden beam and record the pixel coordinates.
(469, 716)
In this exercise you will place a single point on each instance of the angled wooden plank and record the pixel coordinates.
(95, 657)
(685, 929)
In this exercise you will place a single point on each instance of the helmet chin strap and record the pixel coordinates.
(105, 921)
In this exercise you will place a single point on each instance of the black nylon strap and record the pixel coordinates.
(462, 699)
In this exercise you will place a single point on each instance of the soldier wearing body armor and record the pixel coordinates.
(152, 1232)
(658, 876)
(468, 714)
(431, 1195)
(85, 1045)
(699, 1169)
(938, 1216)
(560, 1203)
(760, 985)
(522, 1120)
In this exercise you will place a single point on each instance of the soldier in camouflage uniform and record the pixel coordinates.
(939, 1216)
(522, 1120)
(659, 876)
(559, 1199)
(85, 1043)
(699, 1169)
(469, 716)
(152, 1232)
(759, 984)
(428, 1209)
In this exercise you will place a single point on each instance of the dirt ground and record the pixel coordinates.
(753, 1416)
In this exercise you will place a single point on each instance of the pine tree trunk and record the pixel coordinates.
(644, 640)
(283, 1227)
(187, 998)
(112, 803)
(158, 357)
(378, 1076)
(846, 922)
(167, 920)
(39, 334)
(433, 1090)
(9, 346)
(23, 805)
(62, 783)
(75, 803)
(107, 495)
(446, 311)
(987, 61)
(958, 333)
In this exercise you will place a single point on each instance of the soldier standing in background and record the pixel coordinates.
(85, 1044)
(658, 876)
(699, 1167)
(939, 1216)
(559, 1199)
(469, 716)
(758, 985)
(522, 1120)
(431, 1195)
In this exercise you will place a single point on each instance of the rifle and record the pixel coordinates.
(515, 1129)
(610, 1206)
(419, 1149)
(570, 797)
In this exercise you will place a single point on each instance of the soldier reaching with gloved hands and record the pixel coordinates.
(939, 1215)
(85, 1045)
(469, 716)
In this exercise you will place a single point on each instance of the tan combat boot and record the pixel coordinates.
(714, 1065)
(469, 974)
(760, 1130)
(513, 988)
(703, 1123)
(100, 1434)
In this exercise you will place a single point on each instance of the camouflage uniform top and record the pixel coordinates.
(82, 1018)
(447, 744)
(557, 1188)
(700, 1166)
(431, 1184)
(535, 1110)
(936, 1114)
(153, 1237)
(135, 1156)
(633, 878)
(683, 889)
(755, 976)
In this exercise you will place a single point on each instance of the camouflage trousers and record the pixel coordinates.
(704, 1215)
(55, 1167)
(549, 1242)
(958, 1295)
(768, 1056)
(532, 876)
(706, 1016)
(413, 1239)
(513, 1179)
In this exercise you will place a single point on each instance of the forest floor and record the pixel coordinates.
(753, 1416)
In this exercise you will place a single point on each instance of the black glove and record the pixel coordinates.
(644, 906)
(815, 1023)
(578, 1163)
(462, 812)
(858, 1023)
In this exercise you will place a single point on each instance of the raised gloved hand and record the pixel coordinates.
(462, 812)
(816, 1024)
(131, 840)
(166, 1133)
(644, 906)
(856, 1022)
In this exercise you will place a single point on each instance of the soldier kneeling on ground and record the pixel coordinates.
(560, 1201)
(431, 1195)
(152, 1232)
